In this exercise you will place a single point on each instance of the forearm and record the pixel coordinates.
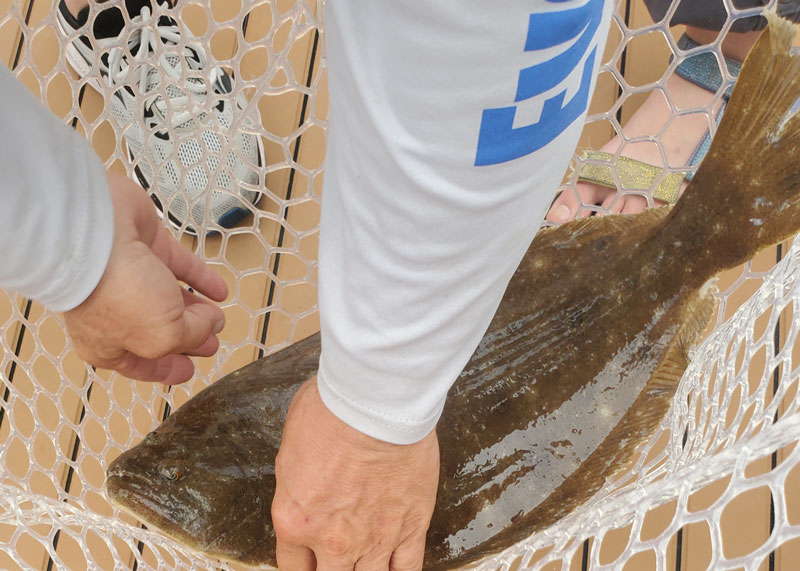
(430, 201)
(56, 223)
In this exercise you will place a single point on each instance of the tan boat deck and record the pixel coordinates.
(275, 298)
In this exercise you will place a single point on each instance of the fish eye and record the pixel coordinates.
(170, 473)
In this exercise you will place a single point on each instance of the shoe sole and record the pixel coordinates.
(174, 223)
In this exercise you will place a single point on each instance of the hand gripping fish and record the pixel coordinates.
(577, 368)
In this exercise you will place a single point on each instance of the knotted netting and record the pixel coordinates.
(718, 487)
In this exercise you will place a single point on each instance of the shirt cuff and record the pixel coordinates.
(92, 236)
(370, 421)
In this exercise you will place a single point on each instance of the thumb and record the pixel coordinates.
(170, 370)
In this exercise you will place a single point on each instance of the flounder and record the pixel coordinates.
(576, 369)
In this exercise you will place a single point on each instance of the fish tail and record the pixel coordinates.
(746, 193)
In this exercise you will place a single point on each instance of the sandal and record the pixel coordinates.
(702, 70)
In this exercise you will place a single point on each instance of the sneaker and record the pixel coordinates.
(151, 57)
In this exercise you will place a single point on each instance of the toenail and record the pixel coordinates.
(561, 213)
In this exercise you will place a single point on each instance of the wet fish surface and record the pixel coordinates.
(577, 368)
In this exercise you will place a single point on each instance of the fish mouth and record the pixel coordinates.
(118, 478)
(123, 491)
(128, 492)
(131, 492)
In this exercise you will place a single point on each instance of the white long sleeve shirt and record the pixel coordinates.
(56, 218)
(451, 126)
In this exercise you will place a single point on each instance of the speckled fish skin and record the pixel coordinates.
(576, 369)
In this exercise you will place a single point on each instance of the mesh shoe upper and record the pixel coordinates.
(175, 128)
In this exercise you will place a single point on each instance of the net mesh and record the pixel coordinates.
(718, 487)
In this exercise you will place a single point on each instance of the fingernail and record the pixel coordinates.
(218, 326)
(561, 213)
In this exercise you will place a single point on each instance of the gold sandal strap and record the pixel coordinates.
(632, 174)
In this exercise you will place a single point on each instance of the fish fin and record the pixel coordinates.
(698, 314)
(617, 452)
(595, 227)
(767, 88)
(745, 195)
(642, 419)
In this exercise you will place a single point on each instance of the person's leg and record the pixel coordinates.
(679, 140)
(704, 19)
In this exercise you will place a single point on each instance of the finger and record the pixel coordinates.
(333, 563)
(207, 349)
(376, 562)
(335, 551)
(197, 323)
(294, 557)
(190, 298)
(409, 555)
(191, 269)
(170, 370)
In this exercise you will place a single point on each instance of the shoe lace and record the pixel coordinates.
(183, 107)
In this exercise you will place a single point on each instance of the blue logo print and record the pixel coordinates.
(499, 141)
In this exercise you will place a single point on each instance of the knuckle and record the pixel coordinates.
(416, 525)
(410, 554)
(151, 352)
(159, 343)
(407, 559)
(84, 352)
(94, 355)
(289, 526)
(336, 545)
(406, 565)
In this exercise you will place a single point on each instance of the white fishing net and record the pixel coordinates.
(717, 488)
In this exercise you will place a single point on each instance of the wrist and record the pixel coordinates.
(377, 423)
(333, 428)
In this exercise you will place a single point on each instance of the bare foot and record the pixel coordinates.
(679, 136)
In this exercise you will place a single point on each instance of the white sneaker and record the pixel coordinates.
(147, 60)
